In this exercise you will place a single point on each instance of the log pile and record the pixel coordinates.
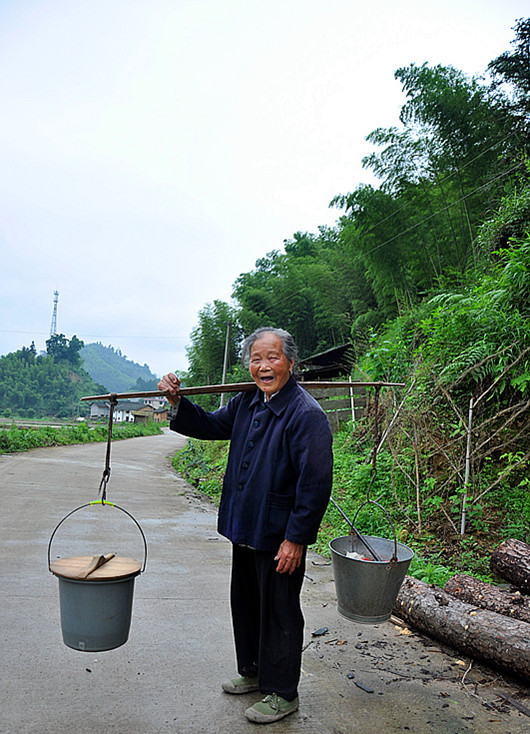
(511, 561)
(479, 633)
(487, 596)
(478, 619)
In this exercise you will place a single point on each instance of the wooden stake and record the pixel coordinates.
(466, 476)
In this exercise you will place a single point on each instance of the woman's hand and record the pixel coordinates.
(289, 557)
(170, 383)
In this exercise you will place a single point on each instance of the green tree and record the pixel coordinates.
(207, 348)
(63, 349)
(142, 385)
(42, 385)
(514, 69)
(448, 164)
(307, 290)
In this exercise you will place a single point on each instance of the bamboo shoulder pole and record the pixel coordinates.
(233, 387)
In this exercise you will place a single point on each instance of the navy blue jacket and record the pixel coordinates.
(279, 472)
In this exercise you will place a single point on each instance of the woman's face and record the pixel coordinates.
(269, 367)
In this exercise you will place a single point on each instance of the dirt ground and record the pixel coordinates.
(166, 678)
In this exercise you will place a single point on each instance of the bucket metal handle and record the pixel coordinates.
(354, 530)
(373, 502)
(90, 504)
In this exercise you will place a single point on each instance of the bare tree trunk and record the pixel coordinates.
(487, 596)
(499, 641)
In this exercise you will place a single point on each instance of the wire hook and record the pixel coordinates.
(106, 471)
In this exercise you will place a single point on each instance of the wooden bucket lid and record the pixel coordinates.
(73, 568)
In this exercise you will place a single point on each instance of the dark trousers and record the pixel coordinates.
(268, 621)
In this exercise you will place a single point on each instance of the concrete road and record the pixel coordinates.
(167, 677)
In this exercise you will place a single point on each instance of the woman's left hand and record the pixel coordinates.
(289, 556)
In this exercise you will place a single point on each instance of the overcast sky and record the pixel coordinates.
(153, 150)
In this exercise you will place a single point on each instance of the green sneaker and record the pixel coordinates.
(272, 708)
(242, 684)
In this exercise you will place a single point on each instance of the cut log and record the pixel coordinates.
(511, 561)
(487, 596)
(497, 640)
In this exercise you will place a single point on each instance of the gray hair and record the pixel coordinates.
(288, 344)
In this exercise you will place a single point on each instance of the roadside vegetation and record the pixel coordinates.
(18, 438)
(453, 443)
(440, 550)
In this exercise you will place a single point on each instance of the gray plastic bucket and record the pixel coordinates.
(367, 590)
(95, 615)
(96, 612)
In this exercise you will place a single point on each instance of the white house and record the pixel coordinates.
(123, 411)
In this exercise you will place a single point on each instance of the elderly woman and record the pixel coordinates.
(275, 492)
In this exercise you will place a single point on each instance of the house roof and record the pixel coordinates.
(144, 409)
(331, 363)
(128, 405)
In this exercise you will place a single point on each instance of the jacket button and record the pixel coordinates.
(245, 465)
(250, 444)
(240, 486)
(255, 424)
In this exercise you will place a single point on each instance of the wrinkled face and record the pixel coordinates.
(269, 367)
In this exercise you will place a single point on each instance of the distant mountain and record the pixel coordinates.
(109, 367)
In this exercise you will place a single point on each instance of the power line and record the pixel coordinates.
(438, 183)
(276, 302)
(444, 209)
(97, 336)
(128, 336)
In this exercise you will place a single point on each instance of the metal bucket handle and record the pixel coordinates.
(354, 531)
(373, 502)
(90, 504)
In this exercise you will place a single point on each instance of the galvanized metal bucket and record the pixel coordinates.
(367, 588)
(96, 611)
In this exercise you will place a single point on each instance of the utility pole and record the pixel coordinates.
(225, 361)
(53, 328)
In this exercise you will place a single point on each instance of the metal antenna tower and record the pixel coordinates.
(53, 328)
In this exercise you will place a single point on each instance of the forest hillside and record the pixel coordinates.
(50, 385)
(46, 385)
(109, 367)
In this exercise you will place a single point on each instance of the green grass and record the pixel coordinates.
(17, 438)
(439, 554)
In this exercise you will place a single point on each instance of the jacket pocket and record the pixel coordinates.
(278, 510)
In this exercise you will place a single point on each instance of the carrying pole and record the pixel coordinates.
(235, 387)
